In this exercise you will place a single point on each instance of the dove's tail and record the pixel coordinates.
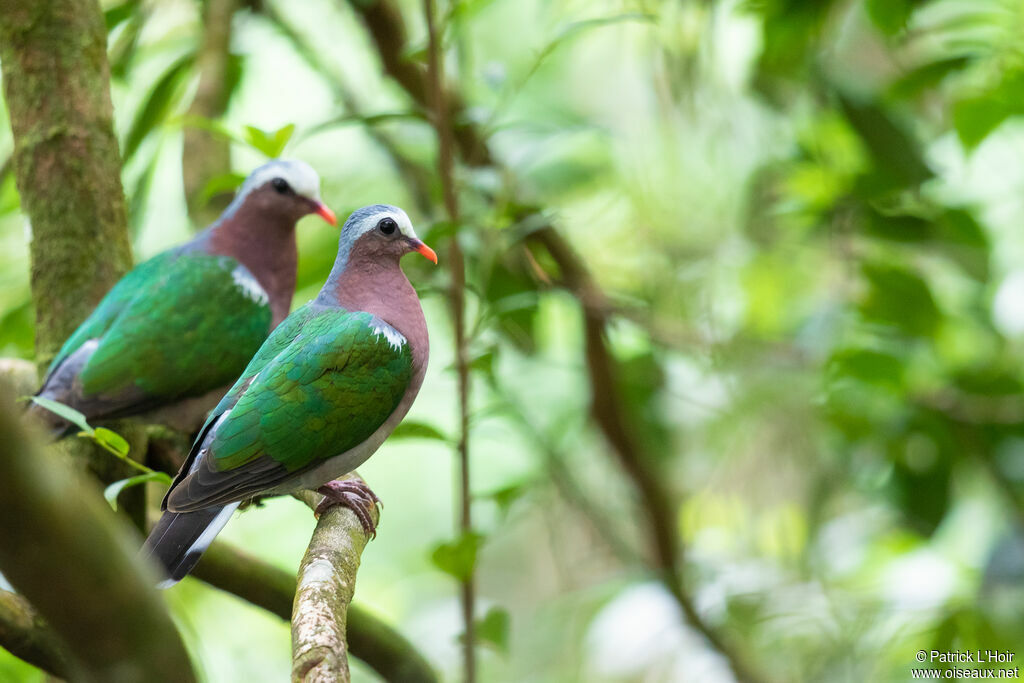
(179, 539)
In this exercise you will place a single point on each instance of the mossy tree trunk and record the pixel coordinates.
(66, 160)
(67, 166)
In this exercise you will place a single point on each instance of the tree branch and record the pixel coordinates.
(440, 117)
(385, 25)
(326, 583)
(381, 647)
(225, 567)
(106, 611)
(607, 412)
(25, 634)
(414, 176)
(205, 155)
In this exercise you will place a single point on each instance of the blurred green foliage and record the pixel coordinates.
(805, 218)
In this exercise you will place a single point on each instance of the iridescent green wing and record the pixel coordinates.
(279, 340)
(181, 324)
(326, 392)
(112, 305)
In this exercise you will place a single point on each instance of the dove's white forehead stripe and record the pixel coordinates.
(363, 221)
(370, 221)
(300, 175)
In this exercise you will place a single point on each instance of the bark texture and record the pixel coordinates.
(67, 164)
(207, 155)
(25, 634)
(106, 611)
(381, 647)
(53, 56)
(326, 583)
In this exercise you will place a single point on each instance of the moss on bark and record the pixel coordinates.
(25, 634)
(66, 159)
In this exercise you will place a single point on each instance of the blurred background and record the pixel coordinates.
(800, 258)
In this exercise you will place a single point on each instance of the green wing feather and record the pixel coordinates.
(100, 320)
(325, 380)
(177, 325)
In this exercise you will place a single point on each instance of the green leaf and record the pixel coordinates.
(114, 490)
(922, 456)
(235, 68)
(962, 239)
(415, 52)
(269, 143)
(512, 292)
(897, 155)
(897, 227)
(366, 120)
(790, 31)
(493, 629)
(214, 126)
(976, 117)
(507, 495)
(869, 366)
(67, 412)
(890, 16)
(954, 233)
(410, 429)
(17, 327)
(220, 184)
(442, 230)
(9, 199)
(119, 13)
(484, 363)
(112, 441)
(458, 558)
(899, 297)
(282, 136)
(924, 77)
(137, 203)
(158, 103)
(125, 46)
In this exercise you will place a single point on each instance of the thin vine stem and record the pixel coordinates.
(440, 117)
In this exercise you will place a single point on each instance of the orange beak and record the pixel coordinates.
(419, 246)
(320, 209)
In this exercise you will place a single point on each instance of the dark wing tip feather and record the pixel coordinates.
(179, 539)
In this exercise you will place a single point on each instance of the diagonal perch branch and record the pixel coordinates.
(326, 583)
(371, 640)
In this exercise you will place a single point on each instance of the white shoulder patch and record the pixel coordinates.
(394, 337)
(248, 285)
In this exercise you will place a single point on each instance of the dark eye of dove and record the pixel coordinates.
(387, 226)
(282, 186)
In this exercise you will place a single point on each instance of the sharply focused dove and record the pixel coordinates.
(189, 320)
(320, 396)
